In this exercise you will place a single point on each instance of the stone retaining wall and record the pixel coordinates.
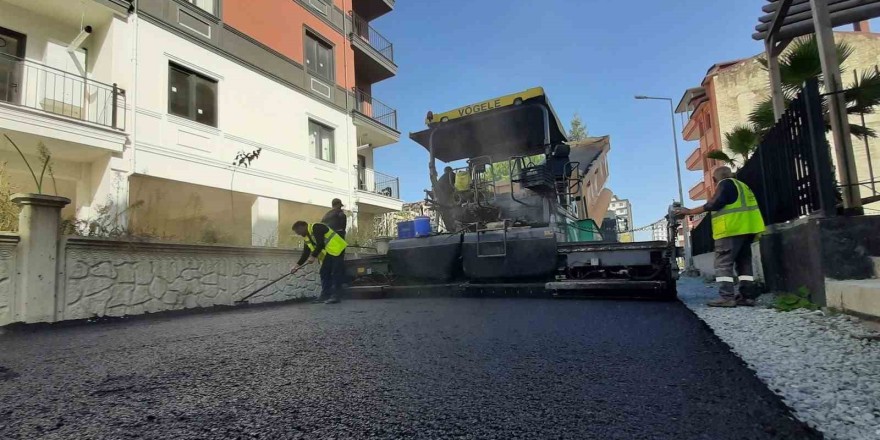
(111, 278)
(48, 278)
(8, 272)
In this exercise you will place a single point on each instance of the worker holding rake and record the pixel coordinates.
(325, 245)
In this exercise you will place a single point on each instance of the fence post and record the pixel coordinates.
(765, 189)
(821, 158)
(115, 110)
(38, 225)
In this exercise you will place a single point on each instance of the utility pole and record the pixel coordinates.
(685, 230)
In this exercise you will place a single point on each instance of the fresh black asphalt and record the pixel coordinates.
(394, 368)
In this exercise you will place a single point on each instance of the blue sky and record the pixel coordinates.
(591, 56)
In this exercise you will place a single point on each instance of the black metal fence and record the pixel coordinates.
(47, 89)
(378, 183)
(790, 172)
(701, 237)
(365, 32)
(375, 109)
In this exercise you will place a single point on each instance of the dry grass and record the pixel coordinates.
(8, 210)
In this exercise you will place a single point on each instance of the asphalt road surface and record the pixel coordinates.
(405, 368)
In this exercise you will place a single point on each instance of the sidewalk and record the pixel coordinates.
(826, 368)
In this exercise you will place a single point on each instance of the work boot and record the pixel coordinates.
(745, 302)
(722, 302)
(320, 299)
(333, 300)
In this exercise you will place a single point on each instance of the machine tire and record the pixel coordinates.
(670, 293)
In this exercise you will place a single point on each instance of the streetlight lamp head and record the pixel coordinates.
(641, 97)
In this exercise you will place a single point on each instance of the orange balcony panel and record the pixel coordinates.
(698, 192)
(691, 131)
(694, 162)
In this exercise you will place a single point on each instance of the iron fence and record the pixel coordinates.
(375, 109)
(47, 89)
(701, 237)
(365, 32)
(378, 183)
(790, 172)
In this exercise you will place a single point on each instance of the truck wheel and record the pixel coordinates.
(670, 293)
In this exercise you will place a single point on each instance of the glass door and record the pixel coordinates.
(12, 46)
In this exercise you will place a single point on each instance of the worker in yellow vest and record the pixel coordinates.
(325, 245)
(736, 221)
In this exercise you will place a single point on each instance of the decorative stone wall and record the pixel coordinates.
(8, 272)
(111, 278)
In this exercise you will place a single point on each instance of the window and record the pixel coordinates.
(192, 96)
(319, 58)
(205, 5)
(321, 141)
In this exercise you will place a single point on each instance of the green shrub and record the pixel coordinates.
(787, 302)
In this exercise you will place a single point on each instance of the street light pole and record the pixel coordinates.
(685, 229)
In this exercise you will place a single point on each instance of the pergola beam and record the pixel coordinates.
(802, 12)
(774, 5)
(865, 10)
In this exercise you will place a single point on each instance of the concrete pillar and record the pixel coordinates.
(264, 222)
(37, 253)
(353, 221)
(847, 176)
(862, 26)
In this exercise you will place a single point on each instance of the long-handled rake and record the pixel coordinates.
(266, 286)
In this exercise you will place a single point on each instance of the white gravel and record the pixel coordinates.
(825, 367)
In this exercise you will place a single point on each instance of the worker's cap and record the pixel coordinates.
(336, 203)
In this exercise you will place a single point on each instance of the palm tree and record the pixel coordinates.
(741, 142)
(799, 63)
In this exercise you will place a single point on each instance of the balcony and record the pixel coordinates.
(76, 116)
(373, 9)
(698, 191)
(53, 91)
(380, 192)
(691, 130)
(58, 67)
(374, 54)
(375, 121)
(694, 162)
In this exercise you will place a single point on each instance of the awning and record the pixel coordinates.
(514, 130)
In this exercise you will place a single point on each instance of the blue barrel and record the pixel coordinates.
(406, 229)
(422, 226)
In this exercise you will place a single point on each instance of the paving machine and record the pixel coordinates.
(514, 216)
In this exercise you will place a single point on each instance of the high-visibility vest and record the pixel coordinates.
(741, 217)
(462, 181)
(333, 243)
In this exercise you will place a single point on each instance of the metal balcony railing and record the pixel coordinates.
(365, 32)
(370, 180)
(39, 87)
(375, 109)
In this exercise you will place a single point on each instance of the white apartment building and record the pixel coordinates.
(660, 230)
(151, 108)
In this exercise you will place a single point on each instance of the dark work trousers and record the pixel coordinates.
(332, 275)
(733, 262)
